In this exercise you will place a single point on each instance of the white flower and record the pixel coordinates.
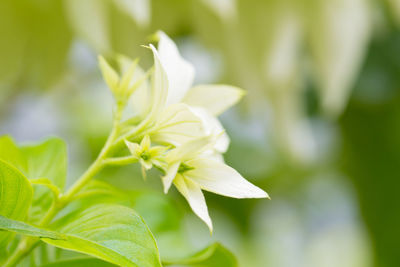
(146, 154)
(206, 101)
(166, 123)
(181, 113)
(191, 171)
(174, 113)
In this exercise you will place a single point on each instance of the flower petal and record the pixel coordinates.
(178, 124)
(191, 149)
(223, 97)
(180, 72)
(141, 97)
(212, 126)
(170, 176)
(134, 148)
(159, 86)
(145, 143)
(192, 192)
(221, 179)
(146, 164)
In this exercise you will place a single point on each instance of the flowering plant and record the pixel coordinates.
(160, 121)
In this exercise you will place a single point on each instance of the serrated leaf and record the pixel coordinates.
(22, 228)
(214, 255)
(15, 198)
(110, 232)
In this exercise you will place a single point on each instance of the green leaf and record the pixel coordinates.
(213, 256)
(158, 210)
(110, 232)
(47, 183)
(46, 160)
(15, 198)
(26, 229)
(85, 262)
(10, 153)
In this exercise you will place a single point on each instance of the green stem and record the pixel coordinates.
(120, 161)
(27, 244)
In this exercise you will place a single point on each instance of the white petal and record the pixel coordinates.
(178, 124)
(191, 149)
(215, 98)
(192, 192)
(221, 179)
(170, 176)
(214, 155)
(159, 86)
(146, 164)
(133, 148)
(212, 126)
(145, 143)
(180, 72)
(142, 95)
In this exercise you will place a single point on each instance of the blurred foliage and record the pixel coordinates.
(371, 136)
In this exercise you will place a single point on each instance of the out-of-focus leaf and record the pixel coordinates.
(226, 9)
(35, 42)
(394, 6)
(340, 31)
(22, 228)
(138, 10)
(370, 155)
(85, 262)
(15, 198)
(157, 209)
(213, 256)
(94, 28)
(113, 233)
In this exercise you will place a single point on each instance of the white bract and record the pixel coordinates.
(183, 120)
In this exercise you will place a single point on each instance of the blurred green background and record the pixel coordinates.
(319, 129)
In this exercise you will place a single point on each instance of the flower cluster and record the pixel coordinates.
(182, 121)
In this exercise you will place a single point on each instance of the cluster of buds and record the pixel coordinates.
(174, 126)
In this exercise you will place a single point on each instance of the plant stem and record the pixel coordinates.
(27, 244)
(120, 161)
